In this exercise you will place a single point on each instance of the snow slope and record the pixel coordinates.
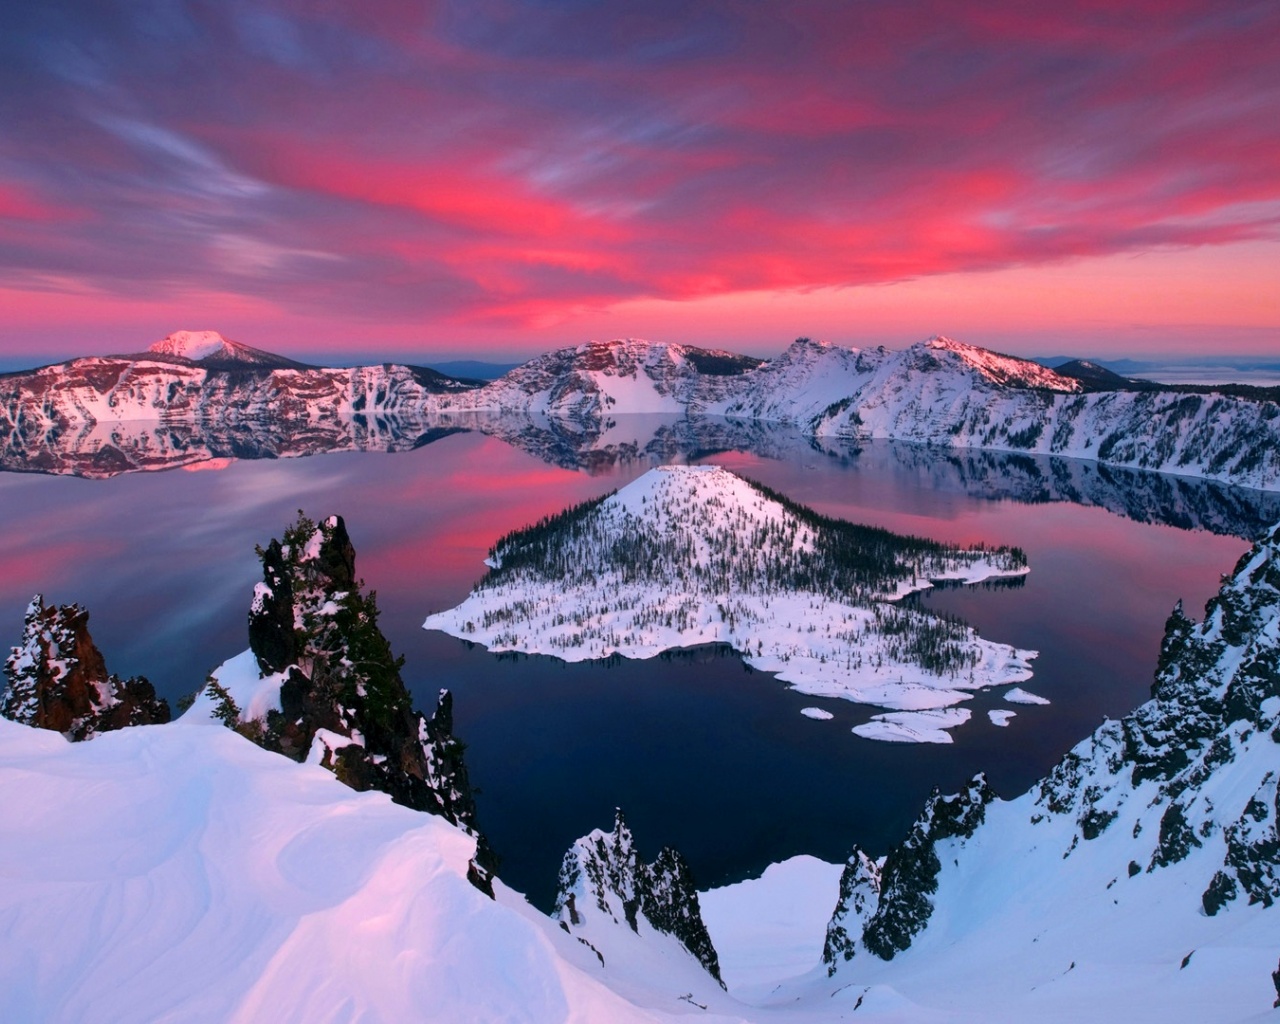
(769, 929)
(693, 555)
(181, 873)
(1141, 874)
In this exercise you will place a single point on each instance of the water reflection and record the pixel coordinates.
(609, 445)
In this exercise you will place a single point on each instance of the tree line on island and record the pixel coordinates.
(693, 553)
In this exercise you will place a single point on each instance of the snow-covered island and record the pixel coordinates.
(689, 555)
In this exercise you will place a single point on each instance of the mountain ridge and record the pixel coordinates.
(938, 392)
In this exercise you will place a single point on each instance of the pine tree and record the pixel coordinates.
(22, 668)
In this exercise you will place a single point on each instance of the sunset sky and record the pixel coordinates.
(491, 179)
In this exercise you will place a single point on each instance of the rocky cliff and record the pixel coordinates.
(58, 679)
(1164, 822)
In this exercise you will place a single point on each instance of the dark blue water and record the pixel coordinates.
(700, 751)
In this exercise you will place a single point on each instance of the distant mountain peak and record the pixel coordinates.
(190, 344)
(642, 349)
(806, 342)
(628, 343)
(211, 350)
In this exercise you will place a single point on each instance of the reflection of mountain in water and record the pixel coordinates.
(1188, 503)
(654, 439)
(105, 450)
(101, 450)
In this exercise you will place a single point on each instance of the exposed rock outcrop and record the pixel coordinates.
(909, 878)
(58, 679)
(859, 897)
(604, 879)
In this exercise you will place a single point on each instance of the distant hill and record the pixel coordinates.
(475, 369)
(1097, 377)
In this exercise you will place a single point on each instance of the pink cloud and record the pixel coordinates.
(482, 169)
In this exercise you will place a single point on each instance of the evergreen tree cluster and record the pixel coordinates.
(312, 622)
(799, 550)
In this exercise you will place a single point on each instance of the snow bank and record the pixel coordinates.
(1020, 696)
(913, 726)
(253, 695)
(181, 873)
(771, 928)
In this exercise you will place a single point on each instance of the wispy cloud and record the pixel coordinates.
(510, 163)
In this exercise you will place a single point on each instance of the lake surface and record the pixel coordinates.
(701, 752)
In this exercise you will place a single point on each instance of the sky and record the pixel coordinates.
(492, 179)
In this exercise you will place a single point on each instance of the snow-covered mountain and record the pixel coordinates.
(947, 394)
(602, 378)
(690, 555)
(1212, 436)
(210, 349)
(812, 383)
(807, 381)
(108, 389)
(939, 392)
(194, 392)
